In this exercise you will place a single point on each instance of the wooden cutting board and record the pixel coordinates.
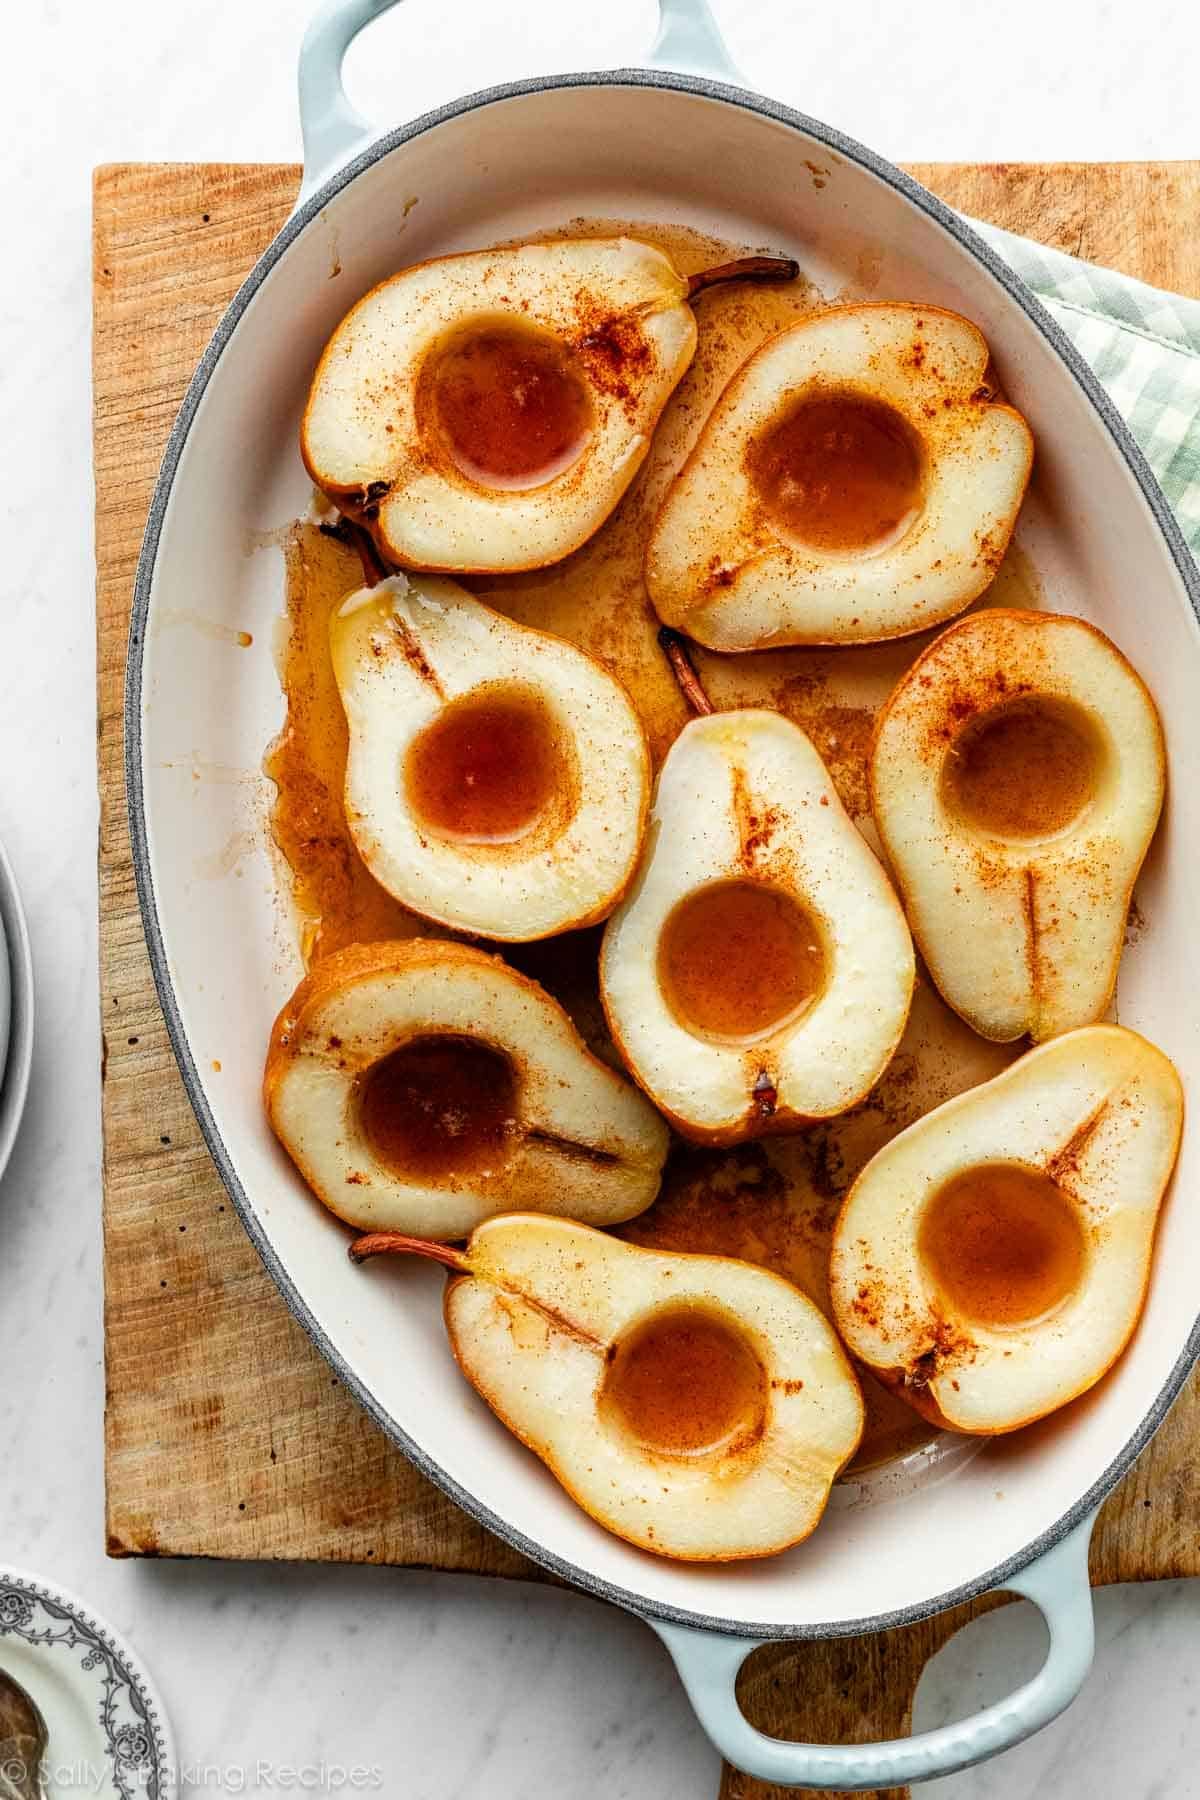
(226, 1434)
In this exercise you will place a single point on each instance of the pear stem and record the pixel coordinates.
(382, 1243)
(746, 268)
(356, 537)
(690, 686)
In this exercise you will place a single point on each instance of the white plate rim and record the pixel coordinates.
(17, 1062)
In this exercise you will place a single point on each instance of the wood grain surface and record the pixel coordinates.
(226, 1434)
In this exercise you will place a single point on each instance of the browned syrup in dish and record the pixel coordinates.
(772, 1202)
(1003, 1243)
(511, 407)
(838, 472)
(1024, 770)
(737, 958)
(686, 1382)
(338, 899)
(439, 1105)
(488, 767)
(891, 1429)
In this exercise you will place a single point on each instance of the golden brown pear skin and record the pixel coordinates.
(703, 573)
(618, 361)
(949, 686)
(563, 1129)
(751, 1463)
(1089, 1123)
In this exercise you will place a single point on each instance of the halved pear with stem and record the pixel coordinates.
(990, 1263)
(696, 1406)
(497, 778)
(758, 974)
(1016, 778)
(487, 411)
(423, 1086)
(856, 481)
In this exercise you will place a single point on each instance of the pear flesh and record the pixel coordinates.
(539, 1324)
(617, 309)
(568, 1135)
(1097, 1115)
(1017, 776)
(406, 652)
(893, 385)
(744, 797)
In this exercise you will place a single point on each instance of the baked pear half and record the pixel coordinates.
(497, 778)
(758, 974)
(422, 1086)
(1016, 778)
(486, 412)
(696, 1406)
(990, 1263)
(856, 481)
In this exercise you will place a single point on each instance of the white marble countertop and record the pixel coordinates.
(453, 1687)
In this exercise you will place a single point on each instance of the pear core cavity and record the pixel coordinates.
(738, 958)
(509, 405)
(1003, 1243)
(440, 1105)
(686, 1382)
(489, 767)
(839, 472)
(1026, 769)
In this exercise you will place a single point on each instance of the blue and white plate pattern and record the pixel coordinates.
(107, 1732)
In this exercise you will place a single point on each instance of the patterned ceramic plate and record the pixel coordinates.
(106, 1729)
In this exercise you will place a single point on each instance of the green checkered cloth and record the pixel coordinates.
(1143, 344)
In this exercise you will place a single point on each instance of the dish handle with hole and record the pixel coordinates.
(1057, 1583)
(334, 133)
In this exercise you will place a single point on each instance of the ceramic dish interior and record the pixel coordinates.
(202, 709)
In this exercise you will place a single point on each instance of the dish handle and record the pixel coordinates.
(1057, 1583)
(334, 131)
(689, 40)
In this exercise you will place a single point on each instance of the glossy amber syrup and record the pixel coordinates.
(338, 899)
(1003, 1243)
(772, 1202)
(439, 1105)
(489, 766)
(735, 958)
(686, 1382)
(1023, 770)
(512, 408)
(838, 472)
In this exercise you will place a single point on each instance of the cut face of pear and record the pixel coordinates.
(497, 779)
(758, 974)
(423, 1086)
(696, 1406)
(855, 481)
(486, 412)
(990, 1263)
(1016, 778)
